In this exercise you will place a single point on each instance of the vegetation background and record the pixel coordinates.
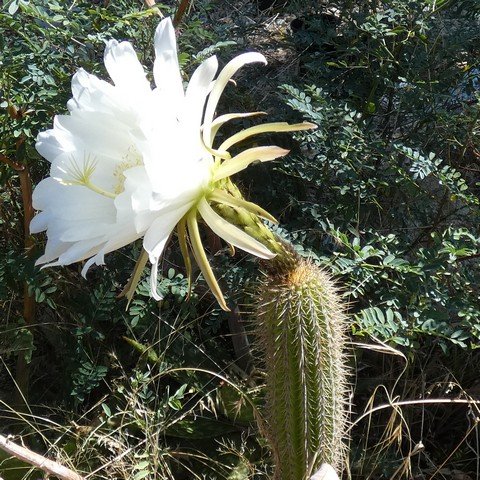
(384, 195)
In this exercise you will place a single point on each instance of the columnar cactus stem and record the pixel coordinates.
(301, 333)
(300, 327)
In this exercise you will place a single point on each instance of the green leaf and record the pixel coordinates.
(141, 474)
(13, 7)
(106, 409)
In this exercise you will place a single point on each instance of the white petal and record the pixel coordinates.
(220, 83)
(98, 259)
(154, 281)
(135, 202)
(176, 169)
(84, 134)
(131, 105)
(80, 251)
(84, 230)
(49, 144)
(156, 238)
(158, 233)
(91, 93)
(123, 234)
(72, 202)
(196, 94)
(96, 132)
(166, 70)
(232, 234)
(53, 250)
(124, 68)
(39, 222)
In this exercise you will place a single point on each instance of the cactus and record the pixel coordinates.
(300, 326)
(301, 333)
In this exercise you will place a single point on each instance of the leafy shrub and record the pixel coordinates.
(384, 194)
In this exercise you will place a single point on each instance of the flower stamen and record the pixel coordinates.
(130, 160)
(82, 175)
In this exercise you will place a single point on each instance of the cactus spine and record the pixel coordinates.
(301, 334)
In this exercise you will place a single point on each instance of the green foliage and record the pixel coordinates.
(43, 44)
(15, 339)
(383, 195)
(360, 176)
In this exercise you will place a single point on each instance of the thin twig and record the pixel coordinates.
(23, 369)
(404, 403)
(468, 257)
(38, 461)
(16, 166)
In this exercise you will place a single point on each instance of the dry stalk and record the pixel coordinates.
(23, 369)
(182, 8)
(48, 466)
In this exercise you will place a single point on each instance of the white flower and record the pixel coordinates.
(130, 161)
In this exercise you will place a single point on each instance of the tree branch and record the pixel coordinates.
(23, 369)
(38, 461)
(182, 8)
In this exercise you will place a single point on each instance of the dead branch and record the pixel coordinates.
(38, 461)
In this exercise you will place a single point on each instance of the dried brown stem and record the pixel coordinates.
(38, 461)
(182, 8)
(23, 370)
(241, 345)
(426, 401)
(468, 257)
(11, 163)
